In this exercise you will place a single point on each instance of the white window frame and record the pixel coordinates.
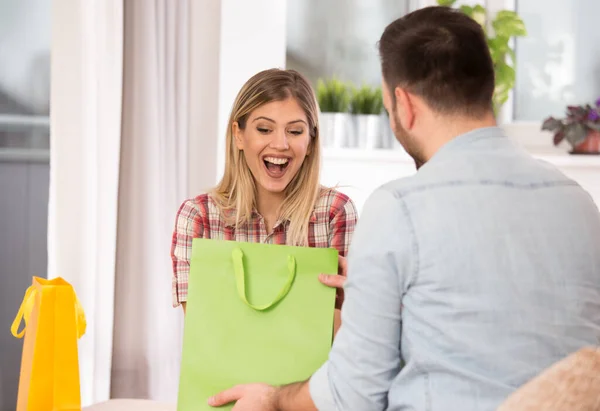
(24, 122)
(18, 122)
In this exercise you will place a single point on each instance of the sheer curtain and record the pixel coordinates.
(141, 91)
(153, 184)
(118, 172)
(86, 94)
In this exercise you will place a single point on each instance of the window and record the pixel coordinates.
(24, 168)
(338, 37)
(24, 75)
(558, 63)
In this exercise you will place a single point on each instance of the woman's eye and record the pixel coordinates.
(263, 130)
(296, 132)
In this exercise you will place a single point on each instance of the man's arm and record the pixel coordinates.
(294, 397)
(365, 357)
(252, 397)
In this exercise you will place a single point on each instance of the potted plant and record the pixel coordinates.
(366, 105)
(333, 96)
(499, 31)
(580, 127)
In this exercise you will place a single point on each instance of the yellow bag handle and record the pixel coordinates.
(26, 308)
(80, 320)
(24, 312)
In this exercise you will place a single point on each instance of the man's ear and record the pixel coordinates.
(237, 135)
(405, 108)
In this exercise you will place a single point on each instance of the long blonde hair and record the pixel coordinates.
(236, 192)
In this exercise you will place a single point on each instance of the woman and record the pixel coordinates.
(270, 192)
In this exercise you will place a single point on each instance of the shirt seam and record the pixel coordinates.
(404, 192)
(414, 246)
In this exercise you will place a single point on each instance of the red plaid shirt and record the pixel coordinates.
(331, 225)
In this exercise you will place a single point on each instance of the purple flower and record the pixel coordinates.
(593, 115)
(598, 102)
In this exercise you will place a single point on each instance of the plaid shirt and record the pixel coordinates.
(331, 225)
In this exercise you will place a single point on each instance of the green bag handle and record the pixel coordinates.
(240, 278)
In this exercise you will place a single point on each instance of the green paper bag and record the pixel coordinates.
(255, 313)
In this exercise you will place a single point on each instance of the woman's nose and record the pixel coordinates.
(280, 141)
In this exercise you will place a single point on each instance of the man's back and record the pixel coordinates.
(508, 278)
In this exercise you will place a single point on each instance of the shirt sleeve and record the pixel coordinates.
(188, 225)
(342, 227)
(366, 356)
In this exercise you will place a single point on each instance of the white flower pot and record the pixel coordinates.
(336, 130)
(369, 132)
(388, 139)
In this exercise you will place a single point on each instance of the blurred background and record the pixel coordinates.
(112, 112)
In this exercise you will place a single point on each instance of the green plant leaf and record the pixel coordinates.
(333, 95)
(576, 133)
(512, 54)
(505, 75)
(505, 81)
(508, 24)
(499, 48)
(446, 3)
(552, 124)
(366, 100)
(468, 10)
(479, 15)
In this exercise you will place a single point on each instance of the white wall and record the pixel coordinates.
(252, 39)
(231, 41)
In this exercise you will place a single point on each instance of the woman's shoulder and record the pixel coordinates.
(200, 205)
(331, 203)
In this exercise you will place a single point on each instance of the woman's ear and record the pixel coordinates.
(237, 135)
(311, 141)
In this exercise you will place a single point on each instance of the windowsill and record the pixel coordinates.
(396, 156)
(23, 155)
(527, 134)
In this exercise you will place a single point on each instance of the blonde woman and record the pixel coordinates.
(270, 192)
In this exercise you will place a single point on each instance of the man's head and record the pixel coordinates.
(437, 73)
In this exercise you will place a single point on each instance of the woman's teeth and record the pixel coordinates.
(276, 161)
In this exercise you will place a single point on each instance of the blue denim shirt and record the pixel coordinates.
(465, 281)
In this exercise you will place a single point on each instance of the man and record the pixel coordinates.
(471, 277)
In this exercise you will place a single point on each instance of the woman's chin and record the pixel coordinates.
(274, 187)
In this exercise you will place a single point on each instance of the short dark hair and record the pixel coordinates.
(441, 55)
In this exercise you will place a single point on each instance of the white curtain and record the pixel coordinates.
(86, 84)
(147, 340)
(118, 172)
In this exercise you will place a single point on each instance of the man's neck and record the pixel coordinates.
(445, 130)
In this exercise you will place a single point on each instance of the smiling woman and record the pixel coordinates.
(270, 191)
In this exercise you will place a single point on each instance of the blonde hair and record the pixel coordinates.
(236, 192)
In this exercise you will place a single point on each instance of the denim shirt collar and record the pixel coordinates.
(468, 139)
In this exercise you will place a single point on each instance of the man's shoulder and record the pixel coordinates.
(402, 187)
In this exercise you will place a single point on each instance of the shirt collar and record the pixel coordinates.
(230, 217)
(469, 139)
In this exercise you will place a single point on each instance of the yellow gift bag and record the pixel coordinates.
(54, 321)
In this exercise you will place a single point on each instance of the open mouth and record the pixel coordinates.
(276, 166)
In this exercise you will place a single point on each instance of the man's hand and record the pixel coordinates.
(263, 397)
(337, 281)
(250, 397)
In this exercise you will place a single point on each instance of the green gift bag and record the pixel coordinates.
(255, 313)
